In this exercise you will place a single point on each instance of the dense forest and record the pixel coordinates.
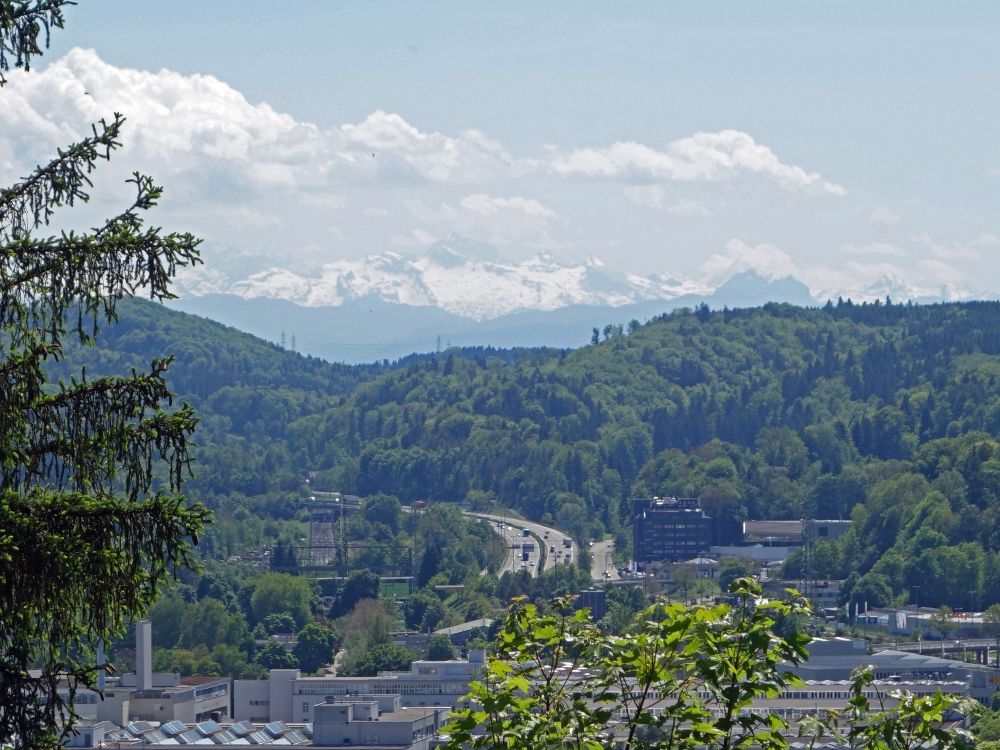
(885, 414)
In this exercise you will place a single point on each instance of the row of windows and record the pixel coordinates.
(406, 688)
(657, 526)
(212, 691)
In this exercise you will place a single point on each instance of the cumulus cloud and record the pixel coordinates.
(943, 272)
(702, 157)
(498, 220)
(872, 248)
(766, 259)
(414, 238)
(882, 217)
(486, 205)
(198, 125)
(325, 200)
(268, 180)
(650, 196)
(949, 250)
(688, 207)
(654, 196)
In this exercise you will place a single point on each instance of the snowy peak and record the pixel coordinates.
(898, 289)
(471, 279)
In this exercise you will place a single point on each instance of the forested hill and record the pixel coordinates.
(246, 392)
(783, 412)
(888, 414)
(208, 355)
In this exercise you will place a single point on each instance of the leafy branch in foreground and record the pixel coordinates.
(680, 677)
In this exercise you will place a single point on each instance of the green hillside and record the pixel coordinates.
(883, 413)
(886, 414)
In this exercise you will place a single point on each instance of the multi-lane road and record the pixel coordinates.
(602, 566)
(547, 546)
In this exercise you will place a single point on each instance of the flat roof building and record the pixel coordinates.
(287, 696)
(669, 530)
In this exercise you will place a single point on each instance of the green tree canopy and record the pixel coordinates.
(314, 647)
(91, 522)
(383, 509)
(276, 622)
(273, 655)
(209, 623)
(440, 648)
(680, 677)
(384, 657)
(360, 584)
(276, 593)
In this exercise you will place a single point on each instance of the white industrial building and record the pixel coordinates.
(149, 696)
(288, 696)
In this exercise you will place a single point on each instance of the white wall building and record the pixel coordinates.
(287, 696)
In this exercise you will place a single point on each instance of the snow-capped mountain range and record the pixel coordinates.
(457, 275)
(462, 292)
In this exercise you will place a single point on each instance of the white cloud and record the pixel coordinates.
(872, 248)
(702, 157)
(654, 196)
(941, 271)
(326, 200)
(427, 215)
(382, 136)
(766, 259)
(950, 250)
(486, 205)
(883, 217)
(269, 182)
(688, 207)
(650, 196)
(199, 127)
(986, 240)
(501, 221)
(414, 238)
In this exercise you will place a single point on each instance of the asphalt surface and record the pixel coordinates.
(602, 567)
(540, 537)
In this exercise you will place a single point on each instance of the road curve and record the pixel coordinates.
(556, 551)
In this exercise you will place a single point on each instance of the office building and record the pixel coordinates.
(669, 530)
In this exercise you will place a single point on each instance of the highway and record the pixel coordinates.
(556, 551)
(549, 546)
(601, 562)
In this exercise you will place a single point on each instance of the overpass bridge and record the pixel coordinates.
(982, 650)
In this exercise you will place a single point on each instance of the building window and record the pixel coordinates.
(305, 707)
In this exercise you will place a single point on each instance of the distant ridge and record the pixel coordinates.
(369, 328)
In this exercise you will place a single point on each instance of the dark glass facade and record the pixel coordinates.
(669, 529)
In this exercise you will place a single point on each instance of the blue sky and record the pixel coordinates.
(890, 114)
